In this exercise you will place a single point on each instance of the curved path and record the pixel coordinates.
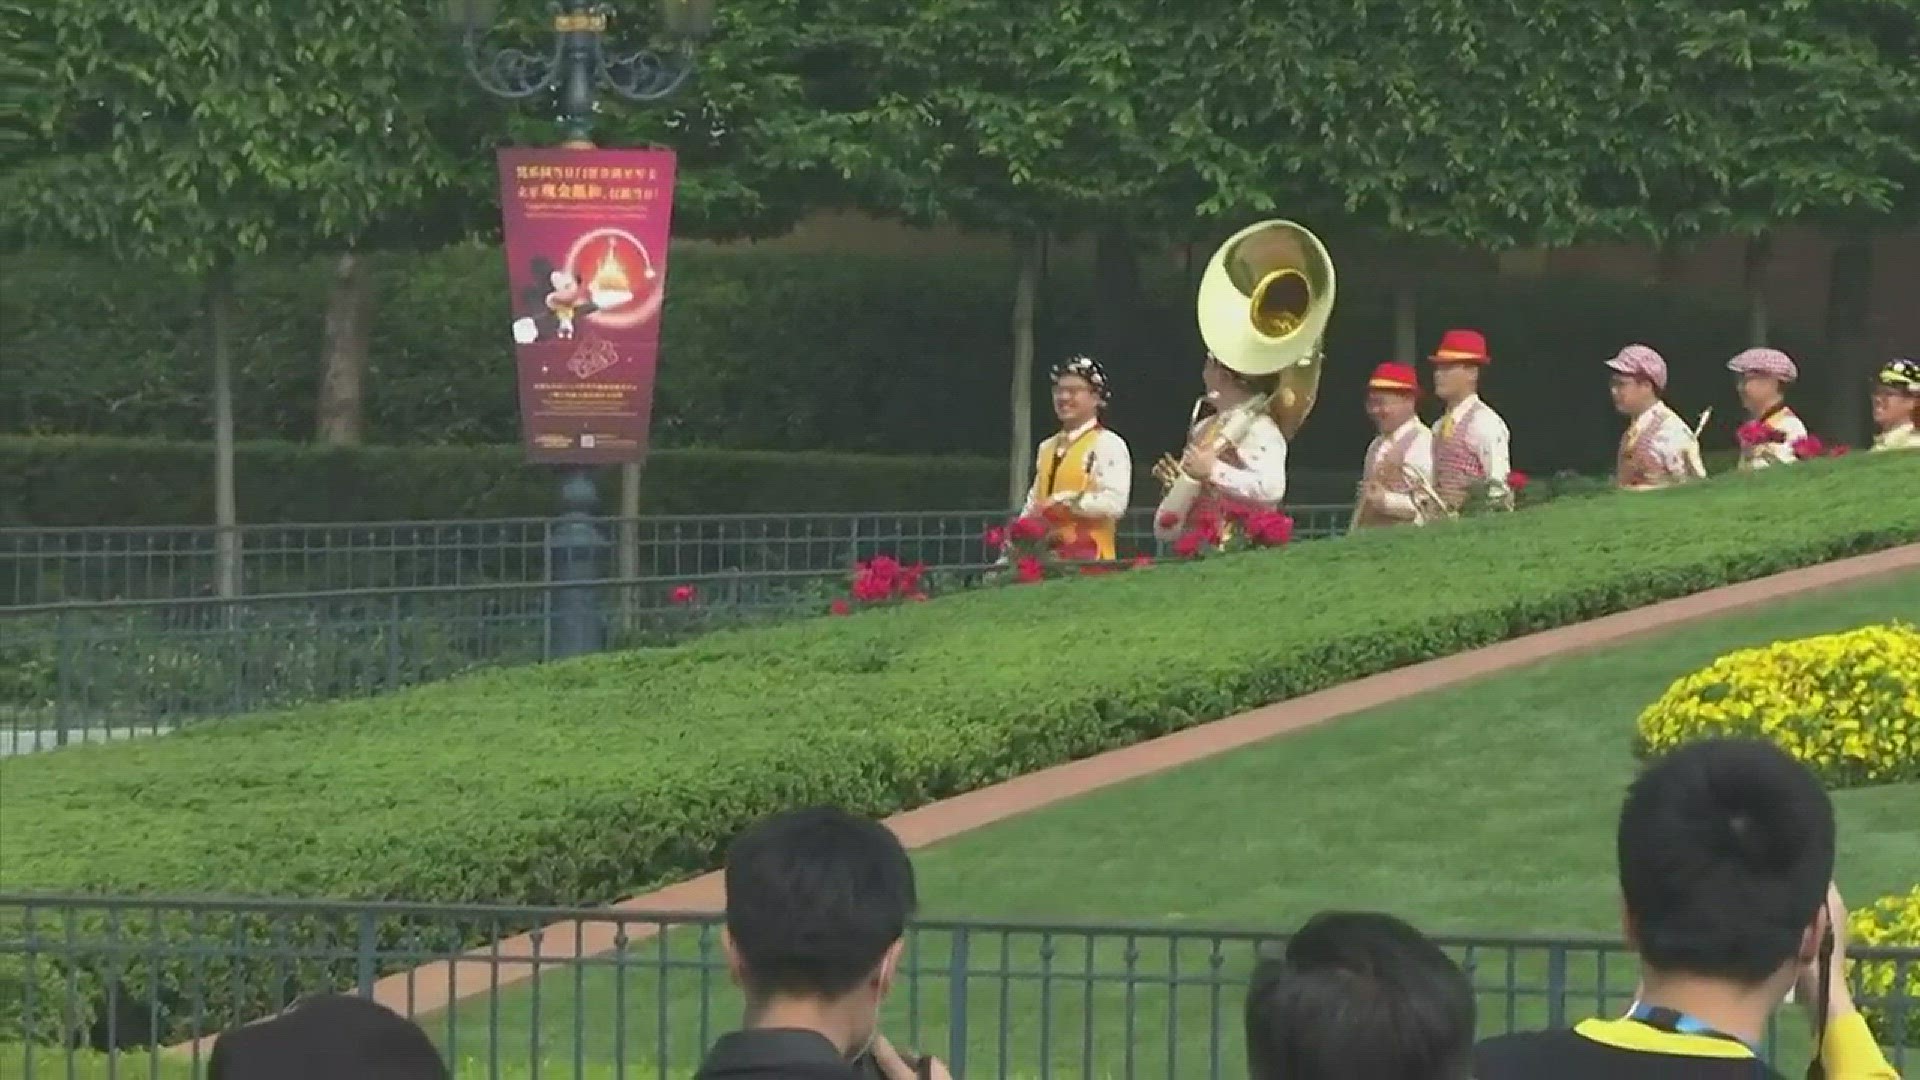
(437, 985)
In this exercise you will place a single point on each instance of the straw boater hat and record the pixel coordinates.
(1462, 347)
(1392, 376)
(1768, 363)
(1641, 362)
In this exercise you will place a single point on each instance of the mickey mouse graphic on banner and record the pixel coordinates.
(559, 299)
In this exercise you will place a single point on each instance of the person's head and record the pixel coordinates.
(1457, 363)
(1226, 386)
(1392, 393)
(328, 1038)
(1080, 390)
(1726, 849)
(1359, 995)
(1761, 376)
(1639, 377)
(1896, 395)
(817, 906)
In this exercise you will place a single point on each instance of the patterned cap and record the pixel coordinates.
(1771, 363)
(1901, 375)
(1087, 368)
(1641, 361)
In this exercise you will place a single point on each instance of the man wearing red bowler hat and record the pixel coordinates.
(1471, 444)
(1397, 484)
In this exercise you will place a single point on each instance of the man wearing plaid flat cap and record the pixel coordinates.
(1471, 444)
(1397, 479)
(1082, 474)
(1896, 406)
(1658, 449)
(1772, 430)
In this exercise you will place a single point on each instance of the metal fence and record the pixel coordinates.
(88, 671)
(44, 566)
(597, 993)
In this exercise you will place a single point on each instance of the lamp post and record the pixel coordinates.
(574, 69)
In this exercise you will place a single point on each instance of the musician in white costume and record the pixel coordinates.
(1397, 481)
(1762, 376)
(1250, 473)
(1471, 443)
(1896, 406)
(1658, 449)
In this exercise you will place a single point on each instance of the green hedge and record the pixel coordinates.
(595, 779)
(810, 353)
(61, 481)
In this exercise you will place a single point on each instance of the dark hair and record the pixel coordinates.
(1359, 994)
(325, 1038)
(1726, 849)
(814, 900)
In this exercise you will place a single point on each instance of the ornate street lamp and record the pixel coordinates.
(580, 63)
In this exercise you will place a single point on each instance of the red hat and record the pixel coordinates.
(1461, 347)
(1392, 376)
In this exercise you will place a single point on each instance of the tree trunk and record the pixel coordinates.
(1026, 284)
(1849, 298)
(226, 517)
(1759, 255)
(343, 363)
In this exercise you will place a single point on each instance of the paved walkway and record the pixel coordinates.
(437, 985)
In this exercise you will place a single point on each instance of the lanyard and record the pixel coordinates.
(1678, 1023)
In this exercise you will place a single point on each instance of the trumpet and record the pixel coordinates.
(1694, 461)
(1427, 504)
(1167, 469)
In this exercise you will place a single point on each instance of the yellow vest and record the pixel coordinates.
(1069, 473)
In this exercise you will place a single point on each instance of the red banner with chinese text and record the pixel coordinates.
(586, 239)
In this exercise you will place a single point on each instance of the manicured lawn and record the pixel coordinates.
(1483, 810)
(1480, 810)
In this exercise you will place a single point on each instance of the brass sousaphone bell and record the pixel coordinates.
(1265, 298)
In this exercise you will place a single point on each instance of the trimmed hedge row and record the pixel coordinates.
(74, 481)
(591, 780)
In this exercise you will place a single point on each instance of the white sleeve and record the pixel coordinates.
(1670, 447)
(1497, 453)
(1109, 479)
(1262, 475)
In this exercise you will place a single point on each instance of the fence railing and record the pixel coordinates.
(87, 671)
(43, 566)
(599, 993)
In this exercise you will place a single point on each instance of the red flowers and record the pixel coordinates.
(682, 595)
(1517, 481)
(1242, 528)
(1029, 570)
(1808, 446)
(880, 580)
(841, 607)
(1027, 530)
(1758, 432)
(1167, 519)
(994, 538)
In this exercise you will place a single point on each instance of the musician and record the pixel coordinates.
(1471, 443)
(1762, 377)
(1658, 449)
(1250, 474)
(1082, 474)
(1399, 462)
(1896, 406)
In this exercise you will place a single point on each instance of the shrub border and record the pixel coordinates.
(425, 989)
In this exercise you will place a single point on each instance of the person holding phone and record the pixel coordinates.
(817, 907)
(1726, 855)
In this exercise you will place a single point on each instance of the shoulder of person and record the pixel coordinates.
(1110, 437)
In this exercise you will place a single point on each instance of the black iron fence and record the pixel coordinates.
(93, 987)
(44, 566)
(73, 671)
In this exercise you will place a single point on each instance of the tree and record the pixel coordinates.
(202, 136)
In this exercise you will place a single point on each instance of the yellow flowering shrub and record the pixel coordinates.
(1893, 921)
(1847, 704)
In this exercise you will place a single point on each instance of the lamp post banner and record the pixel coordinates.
(586, 238)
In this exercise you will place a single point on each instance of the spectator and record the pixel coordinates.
(817, 908)
(1359, 995)
(328, 1038)
(1726, 852)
